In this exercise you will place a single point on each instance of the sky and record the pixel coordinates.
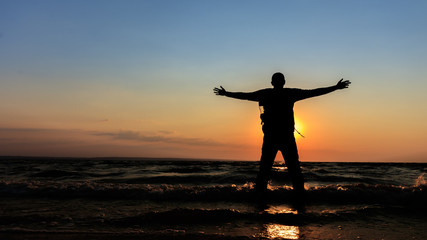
(130, 78)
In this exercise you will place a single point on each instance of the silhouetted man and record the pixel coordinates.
(278, 125)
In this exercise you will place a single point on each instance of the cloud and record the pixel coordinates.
(28, 130)
(162, 136)
(86, 143)
(27, 135)
(36, 135)
(166, 132)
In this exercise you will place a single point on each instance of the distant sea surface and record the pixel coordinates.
(122, 198)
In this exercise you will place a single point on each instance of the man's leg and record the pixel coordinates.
(269, 151)
(292, 162)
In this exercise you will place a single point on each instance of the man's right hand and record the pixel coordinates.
(343, 84)
(219, 91)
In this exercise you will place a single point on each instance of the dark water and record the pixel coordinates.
(167, 199)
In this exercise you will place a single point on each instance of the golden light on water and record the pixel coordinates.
(281, 210)
(282, 231)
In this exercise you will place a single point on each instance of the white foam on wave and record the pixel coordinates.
(420, 181)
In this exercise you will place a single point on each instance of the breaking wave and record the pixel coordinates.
(332, 193)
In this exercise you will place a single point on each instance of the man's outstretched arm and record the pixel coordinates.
(251, 96)
(321, 91)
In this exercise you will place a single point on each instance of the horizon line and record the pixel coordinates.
(15, 157)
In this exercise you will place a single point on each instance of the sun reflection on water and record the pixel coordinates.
(279, 231)
(281, 210)
(282, 231)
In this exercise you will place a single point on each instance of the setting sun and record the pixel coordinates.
(299, 127)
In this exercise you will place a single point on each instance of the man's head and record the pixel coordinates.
(278, 80)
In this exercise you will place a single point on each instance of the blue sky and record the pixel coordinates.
(134, 34)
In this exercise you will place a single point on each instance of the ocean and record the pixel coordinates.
(142, 198)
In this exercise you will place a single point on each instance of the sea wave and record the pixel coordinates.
(330, 194)
(193, 175)
(198, 216)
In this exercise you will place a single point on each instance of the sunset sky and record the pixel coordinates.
(134, 78)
